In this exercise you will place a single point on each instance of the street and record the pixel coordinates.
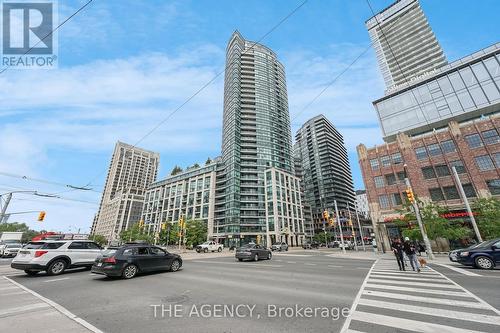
(221, 295)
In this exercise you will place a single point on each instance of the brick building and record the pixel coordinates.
(473, 147)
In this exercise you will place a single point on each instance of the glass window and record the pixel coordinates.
(442, 170)
(467, 76)
(484, 163)
(494, 186)
(491, 137)
(385, 161)
(436, 194)
(480, 72)
(448, 146)
(421, 153)
(396, 158)
(451, 192)
(469, 190)
(383, 201)
(465, 100)
(374, 164)
(492, 66)
(491, 91)
(459, 166)
(445, 85)
(478, 95)
(379, 181)
(456, 81)
(142, 251)
(390, 179)
(396, 199)
(428, 172)
(401, 176)
(434, 149)
(77, 246)
(496, 157)
(157, 251)
(474, 141)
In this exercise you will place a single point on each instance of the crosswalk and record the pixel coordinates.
(7, 270)
(405, 301)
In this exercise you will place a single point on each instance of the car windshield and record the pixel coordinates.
(483, 244)
(34, 245)
(14, 246)
(248, 246)
(109, 252)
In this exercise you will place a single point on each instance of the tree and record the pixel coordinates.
(488, 217)
(435, 225)
(196, 232)
(196, 166)
(176, 170)
(209, 160)
(136, 233)
(28, 233)
(99, 239)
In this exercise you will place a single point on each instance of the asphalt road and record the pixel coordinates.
(291, 282)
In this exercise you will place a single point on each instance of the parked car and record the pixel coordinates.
(453, 255)
(129, 260)
(280, 246)
(211, 246)
(310, 245)
(333, 244)
(55, 257)
(348, 245)
(485, 255)
(253, 252)
(10, 250)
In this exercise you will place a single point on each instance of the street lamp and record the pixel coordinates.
(414, 202)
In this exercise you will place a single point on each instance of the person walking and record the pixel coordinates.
(411, 251)
(397, 249)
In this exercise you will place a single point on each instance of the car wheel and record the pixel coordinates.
(205, 250)
(256, 257)
(174, 267)
(286, 249)
(269, 256)
(484, 262)
(56, 267)
(198, 250)
(239, 259)
(30, 272)
(130, 271)
(219, 249)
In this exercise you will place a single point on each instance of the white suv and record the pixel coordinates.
(55, 256)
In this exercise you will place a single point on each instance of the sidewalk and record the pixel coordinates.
(23, 310)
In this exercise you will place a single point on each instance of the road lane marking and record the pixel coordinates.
(291, 262)
(294, 255)
(460, 315)
(419, 284)
(334, 266)
(419, 290)
(412, 278)
(24, 308)
(309, 264)
(58, 307)
(407, 324)
(446, 301)
(403, 273)
(54, 280)
(459, 270)
(242, 264)
(356, 300)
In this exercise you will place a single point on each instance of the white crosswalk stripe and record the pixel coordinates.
(392, 300)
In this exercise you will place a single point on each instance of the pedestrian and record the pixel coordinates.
(397, 249)
(411, 251)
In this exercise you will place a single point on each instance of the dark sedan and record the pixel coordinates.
(129, 260)
(253, 252)
(485, 255)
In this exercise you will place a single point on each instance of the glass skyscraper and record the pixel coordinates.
(256, 136)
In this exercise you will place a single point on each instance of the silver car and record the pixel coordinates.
(280, 246)
(10, 250)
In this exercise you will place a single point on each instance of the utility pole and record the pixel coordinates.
(352, 229)
(427, 243)
(4, 207)
(340, 227)
(360, 230)
(467, 206)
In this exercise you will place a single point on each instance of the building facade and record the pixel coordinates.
(324, 164)
(472, 147)
(256, 136)
(362, 206)
(284, 215)
(404, 43)
(130, 172)
(190, 194)
(463, 90)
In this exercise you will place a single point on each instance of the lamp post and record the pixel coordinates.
(427, 243)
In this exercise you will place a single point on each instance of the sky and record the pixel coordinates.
(124, 66)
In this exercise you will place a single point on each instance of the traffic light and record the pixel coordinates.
(409, 195)
(331, 221)
(181, 222)
(41, 216)
(326, 215)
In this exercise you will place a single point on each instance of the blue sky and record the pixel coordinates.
(125, 65)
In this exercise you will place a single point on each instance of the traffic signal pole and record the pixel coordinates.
(340, 227)
(4, 207)
(427, 243)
